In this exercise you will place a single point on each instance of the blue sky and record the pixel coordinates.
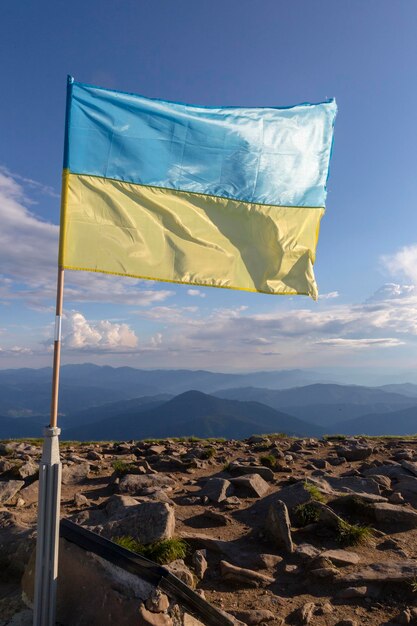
(268, 53)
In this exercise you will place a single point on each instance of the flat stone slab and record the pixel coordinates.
(266, 473)
(141, 484)
(395, 514)
(9, 488)
(411, 466)
(388, 571)
(354, 484)
(341, 557)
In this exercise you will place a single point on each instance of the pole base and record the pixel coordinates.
(46, 573)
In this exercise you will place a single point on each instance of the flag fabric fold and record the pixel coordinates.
(223, 197)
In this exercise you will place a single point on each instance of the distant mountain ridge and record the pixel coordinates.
(199, 414)
(125, 402)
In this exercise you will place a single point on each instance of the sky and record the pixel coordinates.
(228, 52)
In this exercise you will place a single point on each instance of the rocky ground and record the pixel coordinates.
(278, 531)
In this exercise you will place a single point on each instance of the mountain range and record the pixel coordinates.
(125, 403)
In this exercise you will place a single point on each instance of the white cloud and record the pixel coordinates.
(98, 335)
(196, 293)
(15, 351)
(329, 296)
(392, 291)
(403, 263)
(355, 344)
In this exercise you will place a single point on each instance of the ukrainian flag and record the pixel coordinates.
(215, 196)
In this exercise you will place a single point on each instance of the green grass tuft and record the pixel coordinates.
(353, 534)
(307, 513)
(314, 492)
(208, 452)
(162, 552)
(268, 460)
(122, 468)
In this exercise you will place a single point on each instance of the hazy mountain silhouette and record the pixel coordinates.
(324, 404)
(199, 414)
(403, 422)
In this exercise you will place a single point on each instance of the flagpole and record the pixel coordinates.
(46, 572)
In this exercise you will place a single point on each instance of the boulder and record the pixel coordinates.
(75, 474)
(355, 453)
(410, 466)
(217, 489)
(354, 484)
(146, 522)
(277, 526)
(121, 593)
(266, 473)
(8, 489)
(394, 514)
(140, 484)
(252, 484)
(407, 484)
(384, 572)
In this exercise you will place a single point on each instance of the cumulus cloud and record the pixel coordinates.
(403, 263)
(101, 335)
(329, 296)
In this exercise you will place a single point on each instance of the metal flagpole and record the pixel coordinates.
(46, 572)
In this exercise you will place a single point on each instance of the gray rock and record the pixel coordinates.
(157, 602)
(266, 473)
(148, 618)
(277, 526)
(252, 484)
(8, 489)
(75, 474)
(352, 592)
(27, 470)
(393, 471)
(304, 614)
(243, 576)
(395, 514)
(140, 484)
(307, 552)
(217, 489)
(199, 563)
(354, 484)
(181, 571)
(118, 506)
(410, 466)
(79, 573)
(387, 571)
(255, 616)
(407, 484)
(355, 453)
(146, 522)
(296, 494)
(341, 557)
